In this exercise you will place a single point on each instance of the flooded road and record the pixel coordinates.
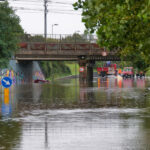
(109, 114)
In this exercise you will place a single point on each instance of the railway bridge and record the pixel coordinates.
(82, 49)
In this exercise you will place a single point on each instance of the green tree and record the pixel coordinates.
(120, 24)
(52, 69)
(10, 31)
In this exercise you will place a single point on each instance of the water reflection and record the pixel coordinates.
(86, 93)
(115, 115)
(112, 91)
(103, 82)
(140, 83)
(85, 129)
(102, 92)
(10, 131)
(120, 82)
(6, 107)
(128, 83)
(10, 134)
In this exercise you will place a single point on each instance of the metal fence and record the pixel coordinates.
(60, 38)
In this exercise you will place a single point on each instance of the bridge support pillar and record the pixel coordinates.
(86, 71)
(26, 71)
(25, 68)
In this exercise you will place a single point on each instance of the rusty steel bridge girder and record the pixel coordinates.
(64, 51)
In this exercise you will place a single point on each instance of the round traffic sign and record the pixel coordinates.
(6, 82)
(81, 69)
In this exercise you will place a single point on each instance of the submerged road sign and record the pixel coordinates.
(6, 82)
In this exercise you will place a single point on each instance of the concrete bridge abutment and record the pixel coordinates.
(86, 71)
(25, 71)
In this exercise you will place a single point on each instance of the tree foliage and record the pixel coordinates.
(120, 24)
(10, 30)
(54, 68)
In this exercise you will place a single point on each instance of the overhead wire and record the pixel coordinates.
(38, 9)
(53, 12)
(38, 3)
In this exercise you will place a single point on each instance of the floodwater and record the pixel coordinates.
(109, 114)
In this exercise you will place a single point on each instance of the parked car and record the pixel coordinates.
(140, 74)
(128, 72)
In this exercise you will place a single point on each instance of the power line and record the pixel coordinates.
(31, 1)
(52, 12)
(53, 7)
(51, 2)
(35, 4)
(63, 3)
(37, 1)
(48, 10)
(23, 8)
(38, 9)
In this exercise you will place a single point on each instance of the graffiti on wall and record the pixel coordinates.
(15, 77)
(38, 75)
(18, 77)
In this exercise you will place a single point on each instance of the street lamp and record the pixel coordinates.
(53, 27)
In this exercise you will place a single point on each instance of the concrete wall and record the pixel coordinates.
(23, 71)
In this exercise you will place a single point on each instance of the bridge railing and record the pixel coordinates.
(59, 42)
(60, 38)
(59, 46)
(62, 44)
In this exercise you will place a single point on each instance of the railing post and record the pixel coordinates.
(28, 46)
(60, 43)
(75, 42)
(45, 46)
(90, 45)
(45, 42)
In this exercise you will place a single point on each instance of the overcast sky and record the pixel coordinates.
(61, 12)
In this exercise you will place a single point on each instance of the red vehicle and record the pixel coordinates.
(107, 70)
(128, 72)
(112, 69)
(41, 81)
(102, 71)
(140, 74)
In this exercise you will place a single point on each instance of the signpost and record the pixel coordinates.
(6, 82)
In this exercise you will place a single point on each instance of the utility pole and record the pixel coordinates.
(45, 19)
(45, 22)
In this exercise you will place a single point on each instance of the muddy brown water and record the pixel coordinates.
(109, 114)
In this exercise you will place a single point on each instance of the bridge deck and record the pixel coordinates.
(63, 51)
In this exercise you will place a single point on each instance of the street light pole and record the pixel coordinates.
(53, 27)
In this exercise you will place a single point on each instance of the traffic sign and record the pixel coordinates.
(6, 82)
(81, 69)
